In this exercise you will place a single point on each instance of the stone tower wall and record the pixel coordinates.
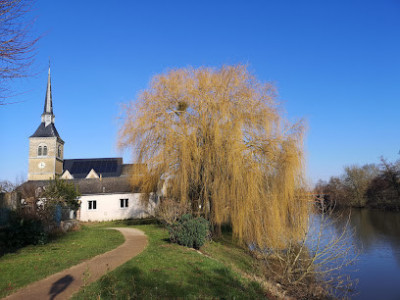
(53, 164)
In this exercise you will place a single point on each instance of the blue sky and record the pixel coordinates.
(336, 64)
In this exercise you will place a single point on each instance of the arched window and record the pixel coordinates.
(59, 151)
(44, 150)
(39, 151)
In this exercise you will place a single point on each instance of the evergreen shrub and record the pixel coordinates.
(22, 231)
(190, 231)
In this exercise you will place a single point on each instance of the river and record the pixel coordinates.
(376, 238)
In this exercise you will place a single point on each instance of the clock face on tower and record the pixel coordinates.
(42, 164)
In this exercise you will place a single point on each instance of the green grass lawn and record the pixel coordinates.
(165, 270)
(225, 250)
(32, 263)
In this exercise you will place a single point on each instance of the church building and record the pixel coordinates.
(106, 192)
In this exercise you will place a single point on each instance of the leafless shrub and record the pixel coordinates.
(312, 268)
(168, 211)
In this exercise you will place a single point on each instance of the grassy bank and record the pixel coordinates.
(32, 263)
(165, 270)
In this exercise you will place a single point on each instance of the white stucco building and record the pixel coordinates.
(107, 207)
(109, 199)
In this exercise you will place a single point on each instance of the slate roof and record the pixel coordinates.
(106, 167)
(46, 131)
(105, 185)
(89, 186)
(48, 103)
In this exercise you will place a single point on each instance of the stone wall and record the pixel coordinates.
(53, 164)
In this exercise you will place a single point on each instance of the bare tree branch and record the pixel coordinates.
(17, 47)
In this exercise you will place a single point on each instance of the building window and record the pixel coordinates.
(123, 203)
(42, 150)
(92, 204)
(59, 151)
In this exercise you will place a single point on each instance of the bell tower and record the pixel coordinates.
(46, 148)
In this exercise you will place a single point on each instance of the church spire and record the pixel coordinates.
(48, 116)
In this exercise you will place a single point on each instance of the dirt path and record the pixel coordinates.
(63, 284)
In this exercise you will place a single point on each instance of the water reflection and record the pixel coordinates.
(374, 227)
(377, 236)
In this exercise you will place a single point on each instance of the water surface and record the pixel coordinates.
(377, 238)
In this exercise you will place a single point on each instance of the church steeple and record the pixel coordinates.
(48, 116)
(46, 148)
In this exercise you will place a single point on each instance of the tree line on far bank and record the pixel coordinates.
(370, 185)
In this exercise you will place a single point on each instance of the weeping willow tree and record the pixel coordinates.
(218, 141)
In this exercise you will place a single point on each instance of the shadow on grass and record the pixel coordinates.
(146, 221)
(196, 282)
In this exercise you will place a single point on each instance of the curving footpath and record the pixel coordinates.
(63, 284)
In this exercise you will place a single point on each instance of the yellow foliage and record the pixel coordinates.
(217, 138)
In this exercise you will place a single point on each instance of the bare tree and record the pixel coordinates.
(6, 186)
(356, 182)
(391, 172)
(16, 44)
(369, 185)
